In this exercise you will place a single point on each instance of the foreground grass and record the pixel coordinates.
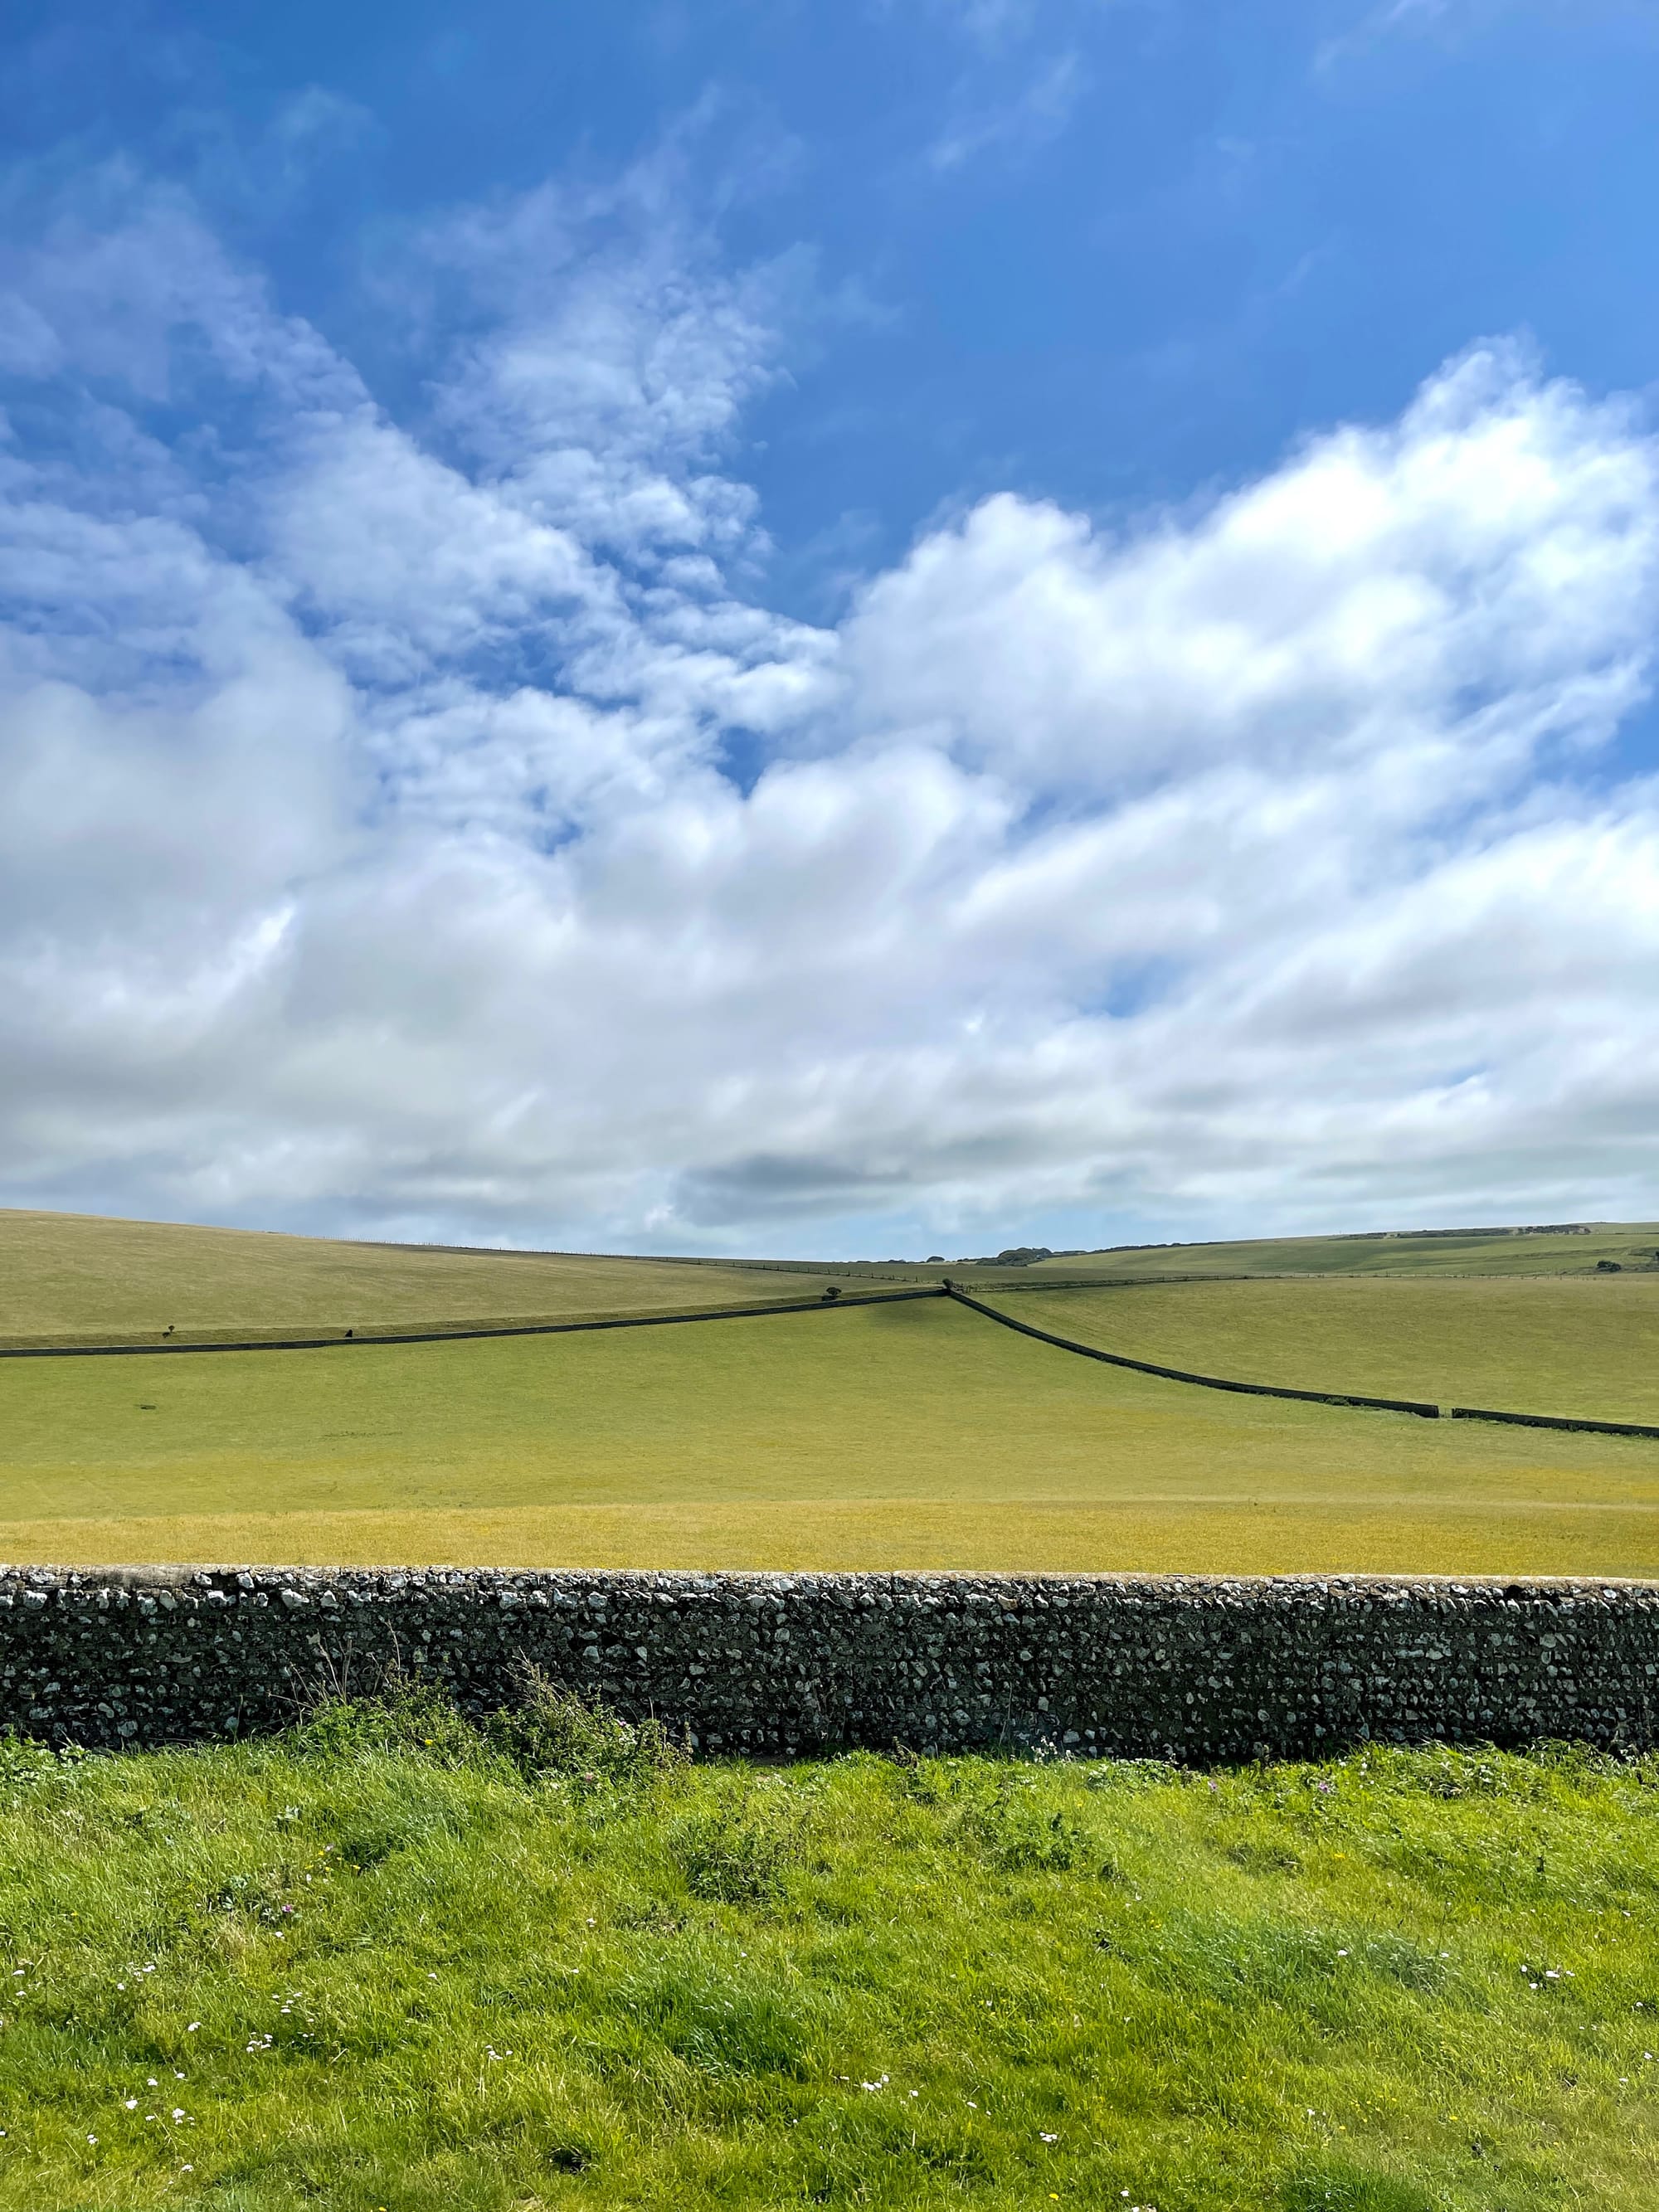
(914, 1434)
(379, 1966)
(1585, 1345)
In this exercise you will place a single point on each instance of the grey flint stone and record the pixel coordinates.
(1187, 1667)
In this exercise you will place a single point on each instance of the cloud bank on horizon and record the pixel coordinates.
(422, 815)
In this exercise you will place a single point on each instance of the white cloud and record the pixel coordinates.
(1039, 112)
(1378, 21)
(1327, 612)
(371, 856)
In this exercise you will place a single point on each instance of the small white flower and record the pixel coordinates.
(133, 2104)
(1048, 2138)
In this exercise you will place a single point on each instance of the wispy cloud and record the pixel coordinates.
(990, 25)
(1032, 117)
(1380, 20)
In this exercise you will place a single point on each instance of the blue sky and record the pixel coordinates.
(885, 628)
(1098, 251)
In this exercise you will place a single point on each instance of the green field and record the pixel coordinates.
(1586, 1345)
(915, 1434)
(911, 1434)
(1627, 1244)
(389, 1963)
(69, 1278)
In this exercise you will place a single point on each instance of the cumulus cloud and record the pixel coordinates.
(1328, 613)
(375, 852)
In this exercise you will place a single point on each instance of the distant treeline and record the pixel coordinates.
(1532, 1229)
(1022, 1255)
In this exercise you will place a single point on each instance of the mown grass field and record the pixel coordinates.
(1626, 1243)
(68, 1278)
(76, 1277)
(1584, 1345)
(912, 1434)
(385, 1965)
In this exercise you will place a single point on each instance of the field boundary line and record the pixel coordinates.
(1115, 1282)
(1419, 1407)
(467, 1336)
(1582, 1422)
(1554, 1421)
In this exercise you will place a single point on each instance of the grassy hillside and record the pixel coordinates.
(915, 1434)
(1630, 1244)
(1577, 1344)
(377, 1965)
(67, 1278)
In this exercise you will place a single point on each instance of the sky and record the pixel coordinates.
(865, 629)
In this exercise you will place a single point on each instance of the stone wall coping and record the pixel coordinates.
(271, 1577)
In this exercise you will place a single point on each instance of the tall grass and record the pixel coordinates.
(395, 1961)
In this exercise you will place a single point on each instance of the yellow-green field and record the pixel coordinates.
(80, 1279)
(1581, 1345)
(1628, 1244)
(914, 1434)
(68, 1278)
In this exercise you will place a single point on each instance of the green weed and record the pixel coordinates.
(550, 1731)
(739, 1854)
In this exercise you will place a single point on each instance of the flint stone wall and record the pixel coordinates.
(1187, 1668)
